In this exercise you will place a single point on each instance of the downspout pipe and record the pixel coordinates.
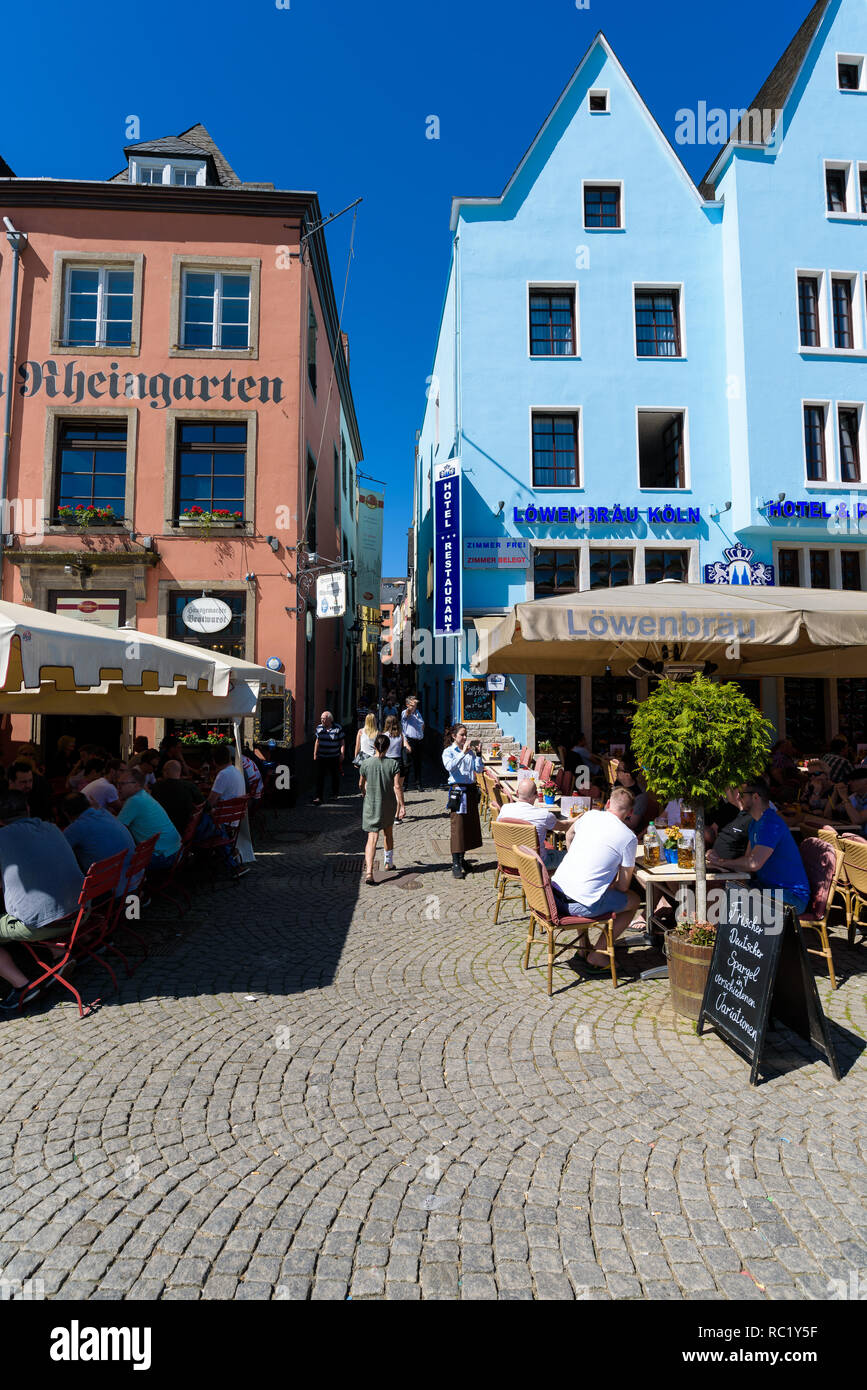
(16, 240)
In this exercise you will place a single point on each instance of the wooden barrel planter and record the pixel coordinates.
(688, 967)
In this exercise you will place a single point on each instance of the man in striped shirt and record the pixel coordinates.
(328, 751)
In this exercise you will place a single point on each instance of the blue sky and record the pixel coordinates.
(333, 95)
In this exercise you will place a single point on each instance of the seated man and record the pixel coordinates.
(95, 834)
(728, 827)
(772, 856)
(527, 810)
(177, 796)
(853, 800)
(145, 817)
(837, 759)
(102, 791)
(819, 790)
(34, 788)
(252, 776)
(593, 879)
(41, 884)
(229, 781)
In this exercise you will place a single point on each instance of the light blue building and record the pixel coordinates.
(638, 375)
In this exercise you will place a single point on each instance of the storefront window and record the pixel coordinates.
(609, 569)
(555, 572)
(850, 568)
(789, 569)
(665, 564)
(805, 715)
(231, 641)
(852, 710)
(612, 698)
(557, 709)
(820, 569)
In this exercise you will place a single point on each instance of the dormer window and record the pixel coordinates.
(598, 102)
(182, 173)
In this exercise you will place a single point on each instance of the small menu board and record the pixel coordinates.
(761, 970)
(477, 702)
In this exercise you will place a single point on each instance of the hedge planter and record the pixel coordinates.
(688, 967)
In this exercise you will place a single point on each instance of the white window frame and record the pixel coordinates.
(862, 442)
(599, 92)
(832, 478)
(560, 409)
(99, 341)
(803, 548)
(687, 468)
(641, 286)
(638, 546)
(845, 166)
(800, 274)
(857, 59)
(553, 286)
(855, 280)
(138, 163)
(605, 183)
(218, 274)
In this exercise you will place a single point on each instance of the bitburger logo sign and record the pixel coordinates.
(67, 382)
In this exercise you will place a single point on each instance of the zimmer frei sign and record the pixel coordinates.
(448, 610)
(66, 381)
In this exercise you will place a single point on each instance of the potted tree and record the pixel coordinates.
(695, 739)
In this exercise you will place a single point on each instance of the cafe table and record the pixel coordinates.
(666, 874)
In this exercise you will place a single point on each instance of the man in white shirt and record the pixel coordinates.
(527, 810)
(229, 781)
(102, 791)
(593, 879)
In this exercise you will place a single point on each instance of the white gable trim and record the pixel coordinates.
(459, 202)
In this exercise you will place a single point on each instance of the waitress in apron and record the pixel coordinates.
(462, 760)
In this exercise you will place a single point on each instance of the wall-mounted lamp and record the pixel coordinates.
(248, 578)
(781, 497)
(147, 542)
(716, 512)
(501, 507)
(273, 542)
(8, 539)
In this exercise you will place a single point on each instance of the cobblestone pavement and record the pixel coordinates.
(318, 1089)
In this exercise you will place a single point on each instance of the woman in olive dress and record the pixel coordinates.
(379, 781)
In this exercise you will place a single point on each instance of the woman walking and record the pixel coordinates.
(364, 740)
(381, 787)
(462, 760)
(395, 738)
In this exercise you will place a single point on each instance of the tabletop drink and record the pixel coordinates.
(687, 818)
(651, 846)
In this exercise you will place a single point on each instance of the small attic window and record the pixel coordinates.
(850, 72)
(599, 102)
(182, 173)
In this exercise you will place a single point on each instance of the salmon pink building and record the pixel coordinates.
(182, 421)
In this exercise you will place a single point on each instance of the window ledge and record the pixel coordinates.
(846, 216)
(236, 354)
(833, 485)
(554, 357)
(657, 357)
(88, 350)
(605, 230)
(72, 528)
(834, 354)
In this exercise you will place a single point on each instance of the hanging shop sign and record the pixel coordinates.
(448, 610)
(368, 563)
(665, 515)
(496, 553)
(206, 615)
(738, 568)
(64, 382)
(331, 595)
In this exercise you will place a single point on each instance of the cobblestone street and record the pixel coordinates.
(318, 1089)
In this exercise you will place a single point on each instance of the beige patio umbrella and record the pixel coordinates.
(744, 631)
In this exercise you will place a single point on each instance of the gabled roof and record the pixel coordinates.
(194, 143)
(776, 89)
(601, 40)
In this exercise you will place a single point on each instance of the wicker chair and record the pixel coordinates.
(853, 884)
(484, 799)
(543, 911)
(823, 863)
(506, 837)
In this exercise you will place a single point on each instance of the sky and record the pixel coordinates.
(335, 96)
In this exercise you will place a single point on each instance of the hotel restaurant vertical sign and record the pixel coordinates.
(448, 611)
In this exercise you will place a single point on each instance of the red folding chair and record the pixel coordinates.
(135, 871)
(161, 886)
(526, 757)
(96, 896)
(565, 782)
(227, 817)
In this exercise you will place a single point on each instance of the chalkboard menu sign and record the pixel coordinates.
(478, 705)
(760, 969)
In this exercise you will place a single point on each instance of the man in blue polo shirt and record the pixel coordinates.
(772, 858)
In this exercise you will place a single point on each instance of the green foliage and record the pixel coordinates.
(695, 739)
